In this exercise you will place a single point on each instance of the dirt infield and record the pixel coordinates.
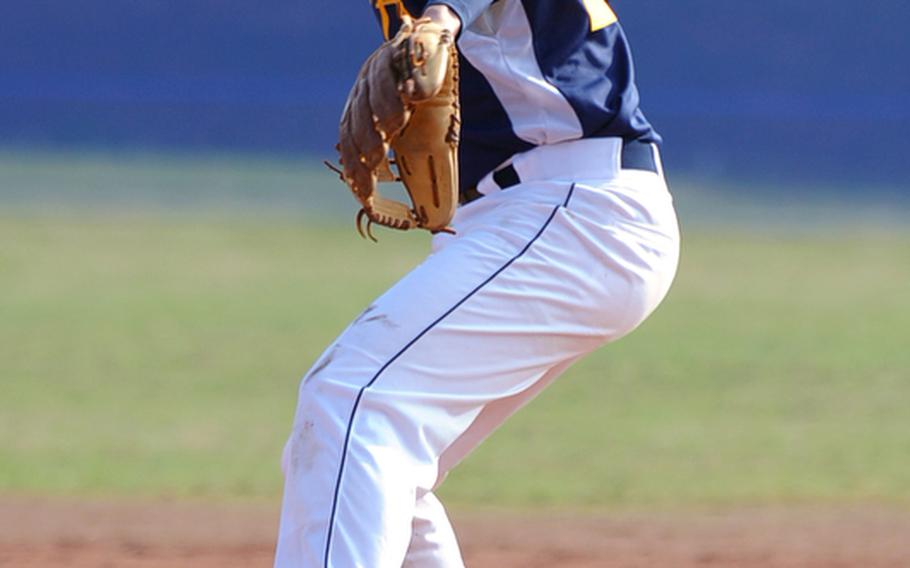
(164, 535)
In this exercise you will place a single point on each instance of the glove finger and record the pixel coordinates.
(385, 99)
(428, 51)
(350, 121)
(358, 175)
(372, 147)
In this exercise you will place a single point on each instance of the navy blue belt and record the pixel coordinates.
(636, 155)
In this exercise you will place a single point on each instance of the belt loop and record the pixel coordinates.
(658, 160)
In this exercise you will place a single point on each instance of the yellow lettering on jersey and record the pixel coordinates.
(382, 6)
(600, 13)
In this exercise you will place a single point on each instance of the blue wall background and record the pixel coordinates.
(773, 91)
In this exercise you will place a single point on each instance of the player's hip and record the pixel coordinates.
(614, 223)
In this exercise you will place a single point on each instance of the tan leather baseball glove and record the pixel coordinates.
(405, 99)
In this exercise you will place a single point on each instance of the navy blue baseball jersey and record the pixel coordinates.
(535, 72)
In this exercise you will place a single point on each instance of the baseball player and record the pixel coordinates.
(565, 239)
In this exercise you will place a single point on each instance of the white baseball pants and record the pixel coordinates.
(540, 274)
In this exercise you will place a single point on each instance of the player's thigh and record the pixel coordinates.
(397, 322)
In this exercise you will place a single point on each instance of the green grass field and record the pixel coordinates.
(147, 352)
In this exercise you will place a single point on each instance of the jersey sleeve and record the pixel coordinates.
(467, 10)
